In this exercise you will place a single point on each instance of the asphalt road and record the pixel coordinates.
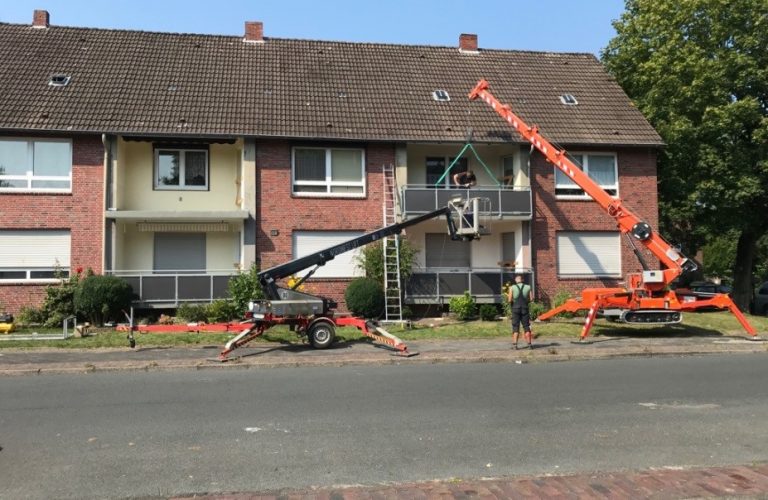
(156, 434)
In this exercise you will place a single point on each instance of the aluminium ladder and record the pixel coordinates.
(393, 311)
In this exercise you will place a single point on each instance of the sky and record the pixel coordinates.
(548, 25)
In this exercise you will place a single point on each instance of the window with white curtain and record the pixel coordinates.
(43, 165)
(601, 168)
(181, 169)
(328, 172)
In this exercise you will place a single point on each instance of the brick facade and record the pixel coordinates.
(637, 189)
(80, 211)
(277, 209)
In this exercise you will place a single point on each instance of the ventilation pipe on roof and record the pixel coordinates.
(41, 19)
(468, 43)
(254, 32)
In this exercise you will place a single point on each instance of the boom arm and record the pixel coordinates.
(268, 277)
(626, 220)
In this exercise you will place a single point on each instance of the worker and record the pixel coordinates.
(520, 296)
(465, 179)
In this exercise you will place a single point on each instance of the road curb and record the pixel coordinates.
(469, 356)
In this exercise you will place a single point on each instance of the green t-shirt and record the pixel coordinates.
(516, 291)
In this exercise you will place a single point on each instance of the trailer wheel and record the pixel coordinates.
(321, 334)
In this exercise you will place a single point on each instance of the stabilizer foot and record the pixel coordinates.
(405, 354)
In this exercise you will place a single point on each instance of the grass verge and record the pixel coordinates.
(699, 324)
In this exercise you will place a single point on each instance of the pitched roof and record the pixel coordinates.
(135, 82)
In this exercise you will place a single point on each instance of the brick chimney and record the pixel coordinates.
(41, 19)
(254, 32)
(468, 42)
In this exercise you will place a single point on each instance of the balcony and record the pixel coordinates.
(509, 202)
(157, 289)
(435, 285)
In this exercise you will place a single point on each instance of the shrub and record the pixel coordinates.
(506, 305)
(536, 309)
(243, 288)
(220, 311)
(193, 312)
(407, 312)
(100, 298)
(29, 315)
(59, 302)
(488, 312)
(463, 306)
(560, 298)
(365, 297)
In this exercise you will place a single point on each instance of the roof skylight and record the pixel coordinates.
(59, 80)
(441, 95)
(568, 100)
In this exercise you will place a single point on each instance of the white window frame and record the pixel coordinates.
(328, 183)
(585, 167)
(588, 275)
(182, 169)
(30, 176)
(63, 269)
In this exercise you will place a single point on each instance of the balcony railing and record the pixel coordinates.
(173, 288)
(435, 285)
(515, 201)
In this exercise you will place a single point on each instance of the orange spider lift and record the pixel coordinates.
(312, 316)
(647, 298)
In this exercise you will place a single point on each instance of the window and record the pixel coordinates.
(588, 254)
(59, 80)
(33, 255)
(441, 251)
(329, 171)
(601, 167)
(177, 169)
(341, 266)
(436, 166)
(441, 95)
(36, 165)
(568, 100)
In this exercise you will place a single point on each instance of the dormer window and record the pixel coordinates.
(568, 100)
(59, 80)
(441, 95)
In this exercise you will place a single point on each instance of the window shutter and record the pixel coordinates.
(589, 254)
(341, 266)
(31, 249)
(442, 251)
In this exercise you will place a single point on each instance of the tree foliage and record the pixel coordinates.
(698, 70)
(371, 260)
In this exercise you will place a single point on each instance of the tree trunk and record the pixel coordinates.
(742, 269)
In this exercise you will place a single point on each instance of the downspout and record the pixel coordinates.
(107, 258)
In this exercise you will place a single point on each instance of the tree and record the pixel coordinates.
(698, 70)
(371, 260)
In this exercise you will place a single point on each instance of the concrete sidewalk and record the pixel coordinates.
(264, 355)
(749, 481)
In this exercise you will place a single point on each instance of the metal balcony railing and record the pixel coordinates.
(435, 285)
(511, 201)
(173, 288)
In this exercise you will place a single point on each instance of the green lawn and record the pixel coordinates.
(701, 324)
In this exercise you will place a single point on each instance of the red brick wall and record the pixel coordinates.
(277, 209)
(81, 212)
(638, 190)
